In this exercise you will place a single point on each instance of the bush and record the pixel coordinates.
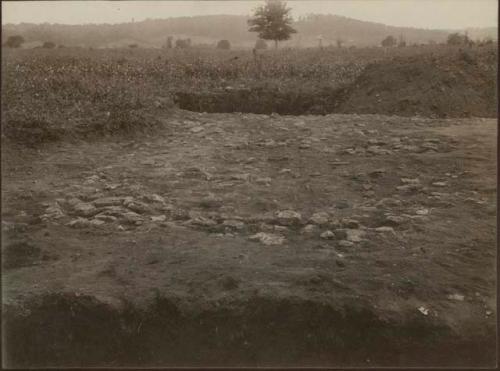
(14, 41)
(389, 41)
(224, 44)
(457, 39)
(133, 46)
(48, 45)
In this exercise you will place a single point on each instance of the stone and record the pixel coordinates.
(196, 129)
(267, 239)
(263, 181)
(53, 212)
(137, 207)
(439, 184)
(245, 177)
(85, 209)
(310, 228)
(385, 230)
(320, 218)
(105, 218)
(202, 221)
(355, 235)
(456, 297)
(410, 181)
(132, 217)
(350, 223)
(108, 201)
(96, 222)
(393, 220)
(376, 173)
(153, 198)
(233, 224)
(159, 218)
(327, 235)
(79, 223)
(288, 217)
(345, 243)
(422, 212)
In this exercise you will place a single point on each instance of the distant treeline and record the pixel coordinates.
(331, 29)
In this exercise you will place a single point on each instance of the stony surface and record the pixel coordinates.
(331, 209)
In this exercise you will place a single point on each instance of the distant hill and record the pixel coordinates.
(208, 30)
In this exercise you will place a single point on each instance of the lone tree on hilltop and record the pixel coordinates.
(224, 44)
(389, 41)
(14, 41)
(272, 21)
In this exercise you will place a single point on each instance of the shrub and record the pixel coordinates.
(224, 44)
(389, 41)
(14, 41)
(48, 45)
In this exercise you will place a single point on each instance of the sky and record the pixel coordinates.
(434, 14)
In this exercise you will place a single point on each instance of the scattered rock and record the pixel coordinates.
(267, 238)
(422, 212)
(138, 207)
(423, 310)
(310, 228)
(288, 217)
(355, 235)
(456, 297)
(345, 243)
(159, 218)
(327, 235)
(439, 184)
(85, 209)
(233, 224)
(132, 217)
(350, 223)
(202, 221)
(245, 177)
(385, 230)
(320, 218)
(263, 181)
(105, 218)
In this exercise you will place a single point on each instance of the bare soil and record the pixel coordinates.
(143, 251)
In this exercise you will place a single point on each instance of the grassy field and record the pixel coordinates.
(78, 91)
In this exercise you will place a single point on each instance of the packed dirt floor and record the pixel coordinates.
(254, 240)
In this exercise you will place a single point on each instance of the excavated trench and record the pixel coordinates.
(262, 100)
(72, 330)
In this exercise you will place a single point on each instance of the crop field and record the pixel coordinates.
(295, 208)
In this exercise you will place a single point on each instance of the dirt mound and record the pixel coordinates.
(459, 84)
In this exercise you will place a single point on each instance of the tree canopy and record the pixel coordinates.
(272, 21)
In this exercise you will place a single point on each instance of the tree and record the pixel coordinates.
(48, 45)
(389, 41)
(272, 21)
(224, 44)
(260, 44)
(339, 42)
(14, 41)
(457, 39)
(133, 46)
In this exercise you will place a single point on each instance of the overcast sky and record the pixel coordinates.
(446, 14)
